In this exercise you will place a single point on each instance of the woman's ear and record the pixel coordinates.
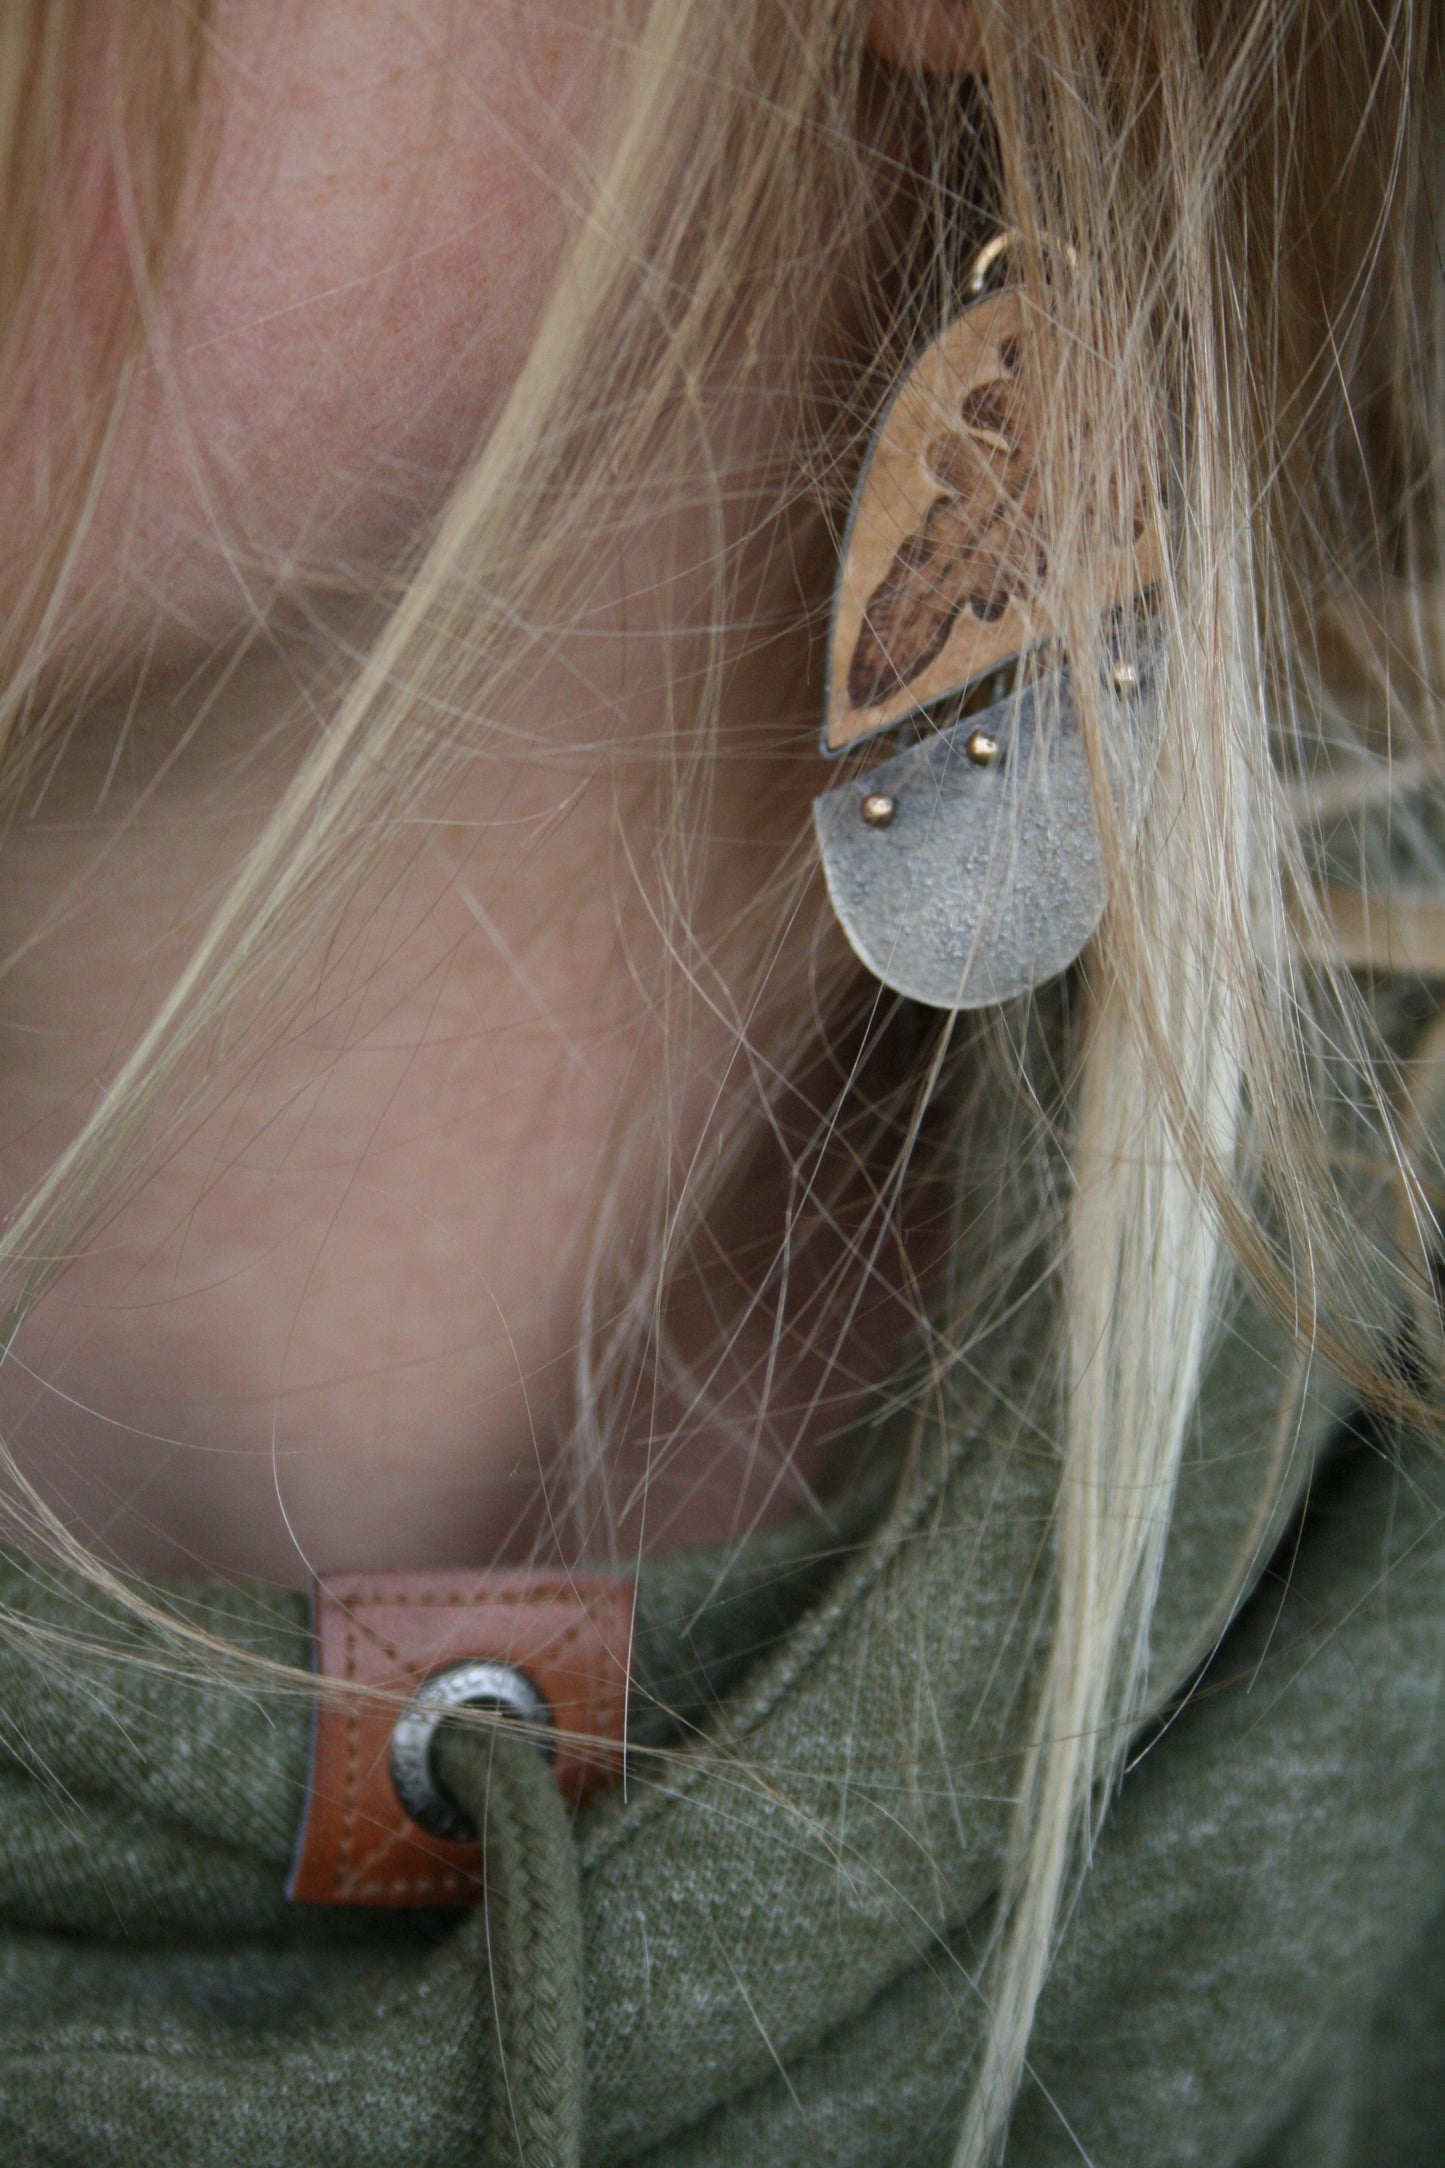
(941, 36)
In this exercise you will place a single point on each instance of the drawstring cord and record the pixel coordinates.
(532, 1923)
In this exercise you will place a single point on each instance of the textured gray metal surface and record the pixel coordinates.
(987, 881)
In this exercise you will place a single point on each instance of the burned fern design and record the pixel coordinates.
(980, 545)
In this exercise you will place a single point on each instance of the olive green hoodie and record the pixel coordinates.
(777, 1924)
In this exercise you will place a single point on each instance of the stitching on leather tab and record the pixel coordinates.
(360, 1856)
(355, 1875)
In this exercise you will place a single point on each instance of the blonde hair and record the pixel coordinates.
(1245, 313)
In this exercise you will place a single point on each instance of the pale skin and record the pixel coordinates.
(335, 1325)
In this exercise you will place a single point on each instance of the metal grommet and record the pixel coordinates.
(481, 1684)
(877, 809)
(982, 748)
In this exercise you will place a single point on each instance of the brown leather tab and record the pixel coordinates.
(570, 1634)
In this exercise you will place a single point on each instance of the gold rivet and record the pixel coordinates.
(982, 748)
(877, 809)
(1125, 676)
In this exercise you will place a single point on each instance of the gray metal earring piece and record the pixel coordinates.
(967, 869)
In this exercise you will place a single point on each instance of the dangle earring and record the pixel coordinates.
(966, 867)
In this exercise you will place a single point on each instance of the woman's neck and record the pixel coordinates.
(342, 1317)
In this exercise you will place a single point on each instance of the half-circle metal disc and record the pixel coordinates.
(967, 881)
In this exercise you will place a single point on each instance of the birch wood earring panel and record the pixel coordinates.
(945, 567)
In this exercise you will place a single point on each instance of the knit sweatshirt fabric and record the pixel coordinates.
(785, 1910)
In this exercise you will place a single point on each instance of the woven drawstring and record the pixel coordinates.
(533, 1943)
